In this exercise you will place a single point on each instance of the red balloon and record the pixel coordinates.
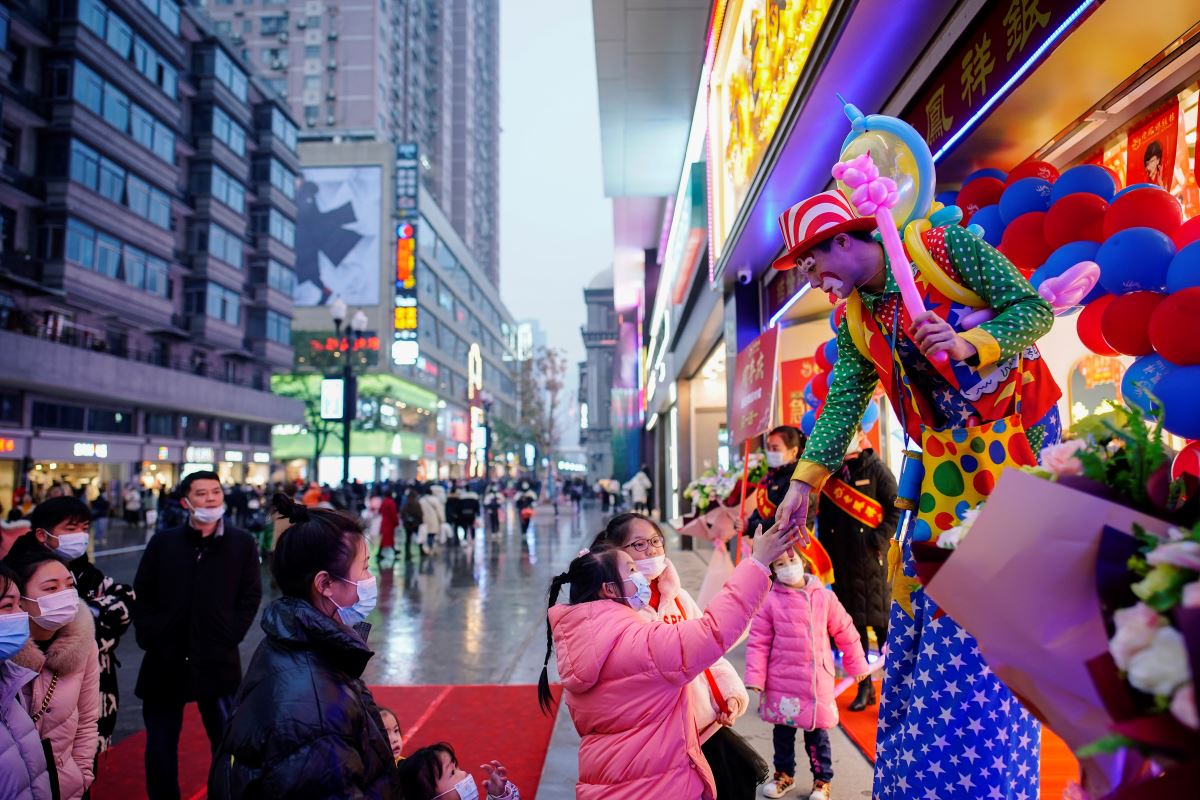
(1087, 325)
(1024, 244)
(819, 357)
(820, 386)
(977, 194)
(1187, 461)
(1033, 169)
(1173, 327)
(1144, 208)
(1076, 217)
(1126, 322)
(1118, 180)
(1187, 233)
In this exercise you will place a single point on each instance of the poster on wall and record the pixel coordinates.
(1152, 148)
(754, 388)
(338, 235)
(794, 375)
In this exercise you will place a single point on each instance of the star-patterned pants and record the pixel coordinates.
(948, 728)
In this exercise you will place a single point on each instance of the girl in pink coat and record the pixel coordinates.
(789, 660)
(626, 678)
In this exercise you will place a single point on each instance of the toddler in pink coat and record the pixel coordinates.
(789, 660)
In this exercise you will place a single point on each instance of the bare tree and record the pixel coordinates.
(551, 374)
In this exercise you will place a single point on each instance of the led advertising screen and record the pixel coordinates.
(338, 235)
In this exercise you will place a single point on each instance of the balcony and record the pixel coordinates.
(81, 361)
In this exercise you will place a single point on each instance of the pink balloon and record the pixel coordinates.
(1064, 292)
(976, 318)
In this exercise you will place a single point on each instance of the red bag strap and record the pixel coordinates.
(722, 703)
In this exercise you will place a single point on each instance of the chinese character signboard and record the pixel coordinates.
(319, 349)
(782, 289)
(753, 388)
(404, 338)
(1000, 41)
(793, 377)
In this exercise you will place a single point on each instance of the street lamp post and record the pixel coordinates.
(358, 325)
(485, 401)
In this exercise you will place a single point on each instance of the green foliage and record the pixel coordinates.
(1124, 450)
(1107, 746)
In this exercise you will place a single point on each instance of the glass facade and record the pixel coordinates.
(106, 254)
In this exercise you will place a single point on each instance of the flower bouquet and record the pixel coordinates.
(1074, 578)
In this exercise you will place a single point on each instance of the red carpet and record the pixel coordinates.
(481, 723)
(1058, 762)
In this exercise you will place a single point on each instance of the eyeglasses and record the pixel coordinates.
(641, 545)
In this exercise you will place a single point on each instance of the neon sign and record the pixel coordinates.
(405, 350)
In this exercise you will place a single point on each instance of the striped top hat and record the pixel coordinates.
(814, 220)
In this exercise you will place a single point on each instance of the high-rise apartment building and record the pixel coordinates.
(147, 209)
(420, 71)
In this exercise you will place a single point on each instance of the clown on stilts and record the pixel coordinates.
(976, 397)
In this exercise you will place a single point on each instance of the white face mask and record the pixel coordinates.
(207, 516)
(651, 567)
(466, 790)
(71, 545)
(774, 459)
(363, 606)
(55, 610)
(640, 598)
(790, 573)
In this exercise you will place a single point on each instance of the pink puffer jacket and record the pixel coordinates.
(789, 657)
(70, 718)
(676, 605)
(626, 687)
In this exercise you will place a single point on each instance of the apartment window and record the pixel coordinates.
(311, 115)
(275, 57)
(279, 328)
(142, 127)
(160, 209)
(230, 75)
(283, 179)
(280, 278)
(160, 424)
(89, 88)
(81, 243)
(112, 181)
(228, 131)
(198, 427)
(226, 189)
(225, 245)
(85, 165)
(108, 255)
(222, 303)
(111, 103)
(167, 12)
(283, 129)
(59, 416)
(258, 434)
(101, 420)
(276, 225)
(313, 51)
(94, 16)
(270, 26)
(230, 432)
(116, 107)
(135, 266)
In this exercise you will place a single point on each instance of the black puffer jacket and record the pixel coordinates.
(305, 725)
(859, 553)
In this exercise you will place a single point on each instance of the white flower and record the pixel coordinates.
(1180, 554)
(1136, 626)
(1183, 706)
(1191, 595)
(1162, 667)
(1063, 459)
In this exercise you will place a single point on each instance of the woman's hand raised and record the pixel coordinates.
(771, 545)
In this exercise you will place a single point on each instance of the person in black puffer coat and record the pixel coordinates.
(305, 724)
(859, 552)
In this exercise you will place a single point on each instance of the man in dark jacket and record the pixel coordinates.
(198, 589)
(856, 520)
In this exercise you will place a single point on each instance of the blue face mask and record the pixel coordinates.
(363, 606)
(14, 632)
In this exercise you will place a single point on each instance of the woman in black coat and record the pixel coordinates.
(305, 724)
(859, 551)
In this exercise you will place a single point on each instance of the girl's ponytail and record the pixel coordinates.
(545, 697)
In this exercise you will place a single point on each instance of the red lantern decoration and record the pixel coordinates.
(1186, 233)
(1074, 218)
(977, 194)
(1144, 208)
(1023, 242)
(1033, 169)
(1173, 331)
(1125, 323)
(1087, 325)
(820, 386)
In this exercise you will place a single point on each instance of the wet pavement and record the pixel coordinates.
(468, 615)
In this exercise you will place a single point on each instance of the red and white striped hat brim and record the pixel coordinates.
(814, 220)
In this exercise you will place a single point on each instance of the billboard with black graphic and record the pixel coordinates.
(338, 235)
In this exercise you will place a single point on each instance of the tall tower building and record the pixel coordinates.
(421, 71)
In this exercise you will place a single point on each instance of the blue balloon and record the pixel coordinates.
(988, 218)
(831, 352)
(1135, 259)
(809, 397)
(1129, 189)
(833, 323)
(1185, 268)
(1143, 379)
(807, 422)
(998, 174)
(1083, 178)
(1023, 196)
(870, 416)
(1177, 392)
(946, 198)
